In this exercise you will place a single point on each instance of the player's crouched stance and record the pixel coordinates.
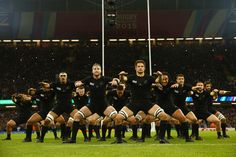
(126, 113)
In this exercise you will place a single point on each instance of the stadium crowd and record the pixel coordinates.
(24, 65)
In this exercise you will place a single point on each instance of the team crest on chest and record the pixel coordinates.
(176, 91)
(42, 95)
(58, 88)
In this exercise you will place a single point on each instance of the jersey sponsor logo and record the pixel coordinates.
(37, 99)
(197, 95)
(42, 95)
(176, 91)
(58, 88)
(115, 98)
(134, 81)
(91, 84)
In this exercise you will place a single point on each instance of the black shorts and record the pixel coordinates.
(60, 109)
(97, 110)
(212, 110)
(168, 108)
(43, 114)
(118, 107)
(138, 106)
(202, 114)
(97, 107)
(184, 109)
(21, 118)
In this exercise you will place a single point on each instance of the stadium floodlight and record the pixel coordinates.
(94, 40)
(45, 40)
(26, 41)
(160, 39)
(65, 40)
(122, 39)
(16, 41)
(132, 40)
(208, 38)
(141, 39)
(74, 40)
(198, 38)
(188, 38)
(36, 40)
(218, 38)
(112, 39)
(7, 41)
(55, 40)
(179, 38)
(10, 106)
(170, 39)
(152, 39)
(234, 37)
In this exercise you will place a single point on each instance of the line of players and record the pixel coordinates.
(137, 99)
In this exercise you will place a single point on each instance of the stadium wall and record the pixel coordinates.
(129, 24)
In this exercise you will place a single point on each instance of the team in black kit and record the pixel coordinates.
(101, 102)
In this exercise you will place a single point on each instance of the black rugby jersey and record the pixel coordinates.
(140, 88)
(63, 92)
(80, 101)
(164, 95)
(180, 94)
(201, 100)
(44, 99)
(116, 101)
(97, 87)
(23, 107)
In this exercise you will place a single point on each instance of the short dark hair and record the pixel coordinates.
(179, 75)
(81, 87)
(199, 81)
(166, 73)
(207, 82)
(139, 61)
(96, 64)
(120, 87)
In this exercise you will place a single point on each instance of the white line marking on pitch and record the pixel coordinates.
(131, 145)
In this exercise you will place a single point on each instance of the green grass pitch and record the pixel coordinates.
(209, 147)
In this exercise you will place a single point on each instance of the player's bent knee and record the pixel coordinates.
(133, 120)
(110, 112)
(163, 116)
(118, 120)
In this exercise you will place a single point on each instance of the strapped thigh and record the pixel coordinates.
(125, 112)
(110, 111)
(140, 116)
(84, 112)
(155, 111)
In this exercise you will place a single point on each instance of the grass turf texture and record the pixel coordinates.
(210, 147)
